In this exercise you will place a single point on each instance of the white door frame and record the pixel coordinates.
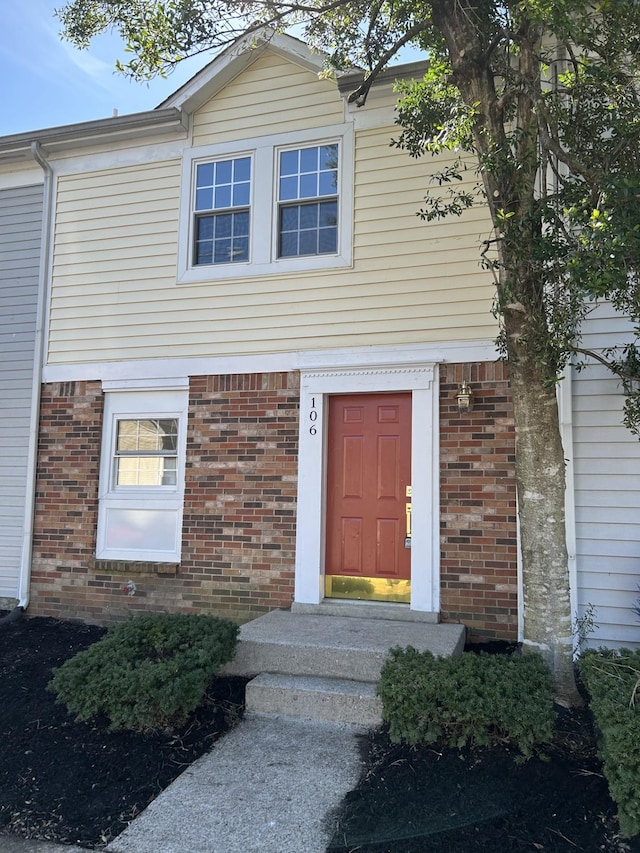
(315, 387)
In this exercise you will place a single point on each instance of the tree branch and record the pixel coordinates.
(359, 96)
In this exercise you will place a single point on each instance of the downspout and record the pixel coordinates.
(38, 361)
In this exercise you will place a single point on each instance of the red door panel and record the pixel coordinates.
(368, 471)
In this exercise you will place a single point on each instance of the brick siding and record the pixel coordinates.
(240, 503)
(239, 509)
(478, 503)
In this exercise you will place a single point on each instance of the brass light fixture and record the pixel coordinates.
(464, 398)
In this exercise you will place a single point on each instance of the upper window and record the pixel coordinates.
(222, 212)
(283, 204)
(308, 201)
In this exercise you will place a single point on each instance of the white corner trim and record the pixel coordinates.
(565, 413)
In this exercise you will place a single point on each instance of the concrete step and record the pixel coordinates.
(324, 646)
(395, 612)
(329, 699)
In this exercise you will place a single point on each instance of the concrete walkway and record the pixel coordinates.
(269, 786)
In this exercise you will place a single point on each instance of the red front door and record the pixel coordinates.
(368, 475)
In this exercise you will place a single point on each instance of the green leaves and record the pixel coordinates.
(150, 672)
(475, 699)
(612, 678)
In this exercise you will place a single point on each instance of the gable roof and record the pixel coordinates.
(234, 60)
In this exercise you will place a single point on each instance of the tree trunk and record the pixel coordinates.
(540, 475)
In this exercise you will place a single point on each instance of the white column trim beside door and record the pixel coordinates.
(315, 386)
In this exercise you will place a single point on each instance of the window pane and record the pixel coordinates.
(222, 251)
(241, 224)
(329, 156)
(204, 252)
(290, 217)
(241, 195)
(204, 175)
(288, 188)
(204, 227)
(217, 238)
(223, 196)
(146, 452)
(328, 183)
(308, 229)
(149, 435)
(240, 249)
(289, 244)
(308, 216)
(309, 185)
(242, 169)
(141, 530)
(328, 241)
(309, 159)
(328, 213)
(289, 163)
(204, 198)
(224, 223)
(223, 172)
(308, 242)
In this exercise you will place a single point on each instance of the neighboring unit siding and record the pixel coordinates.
(607, 493)
(271, 96)
(20, 237)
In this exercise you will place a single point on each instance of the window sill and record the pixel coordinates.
(138, 567)
(214, 272)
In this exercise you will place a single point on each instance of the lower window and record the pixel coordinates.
(142, 476)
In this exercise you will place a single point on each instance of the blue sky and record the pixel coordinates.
(49, 83)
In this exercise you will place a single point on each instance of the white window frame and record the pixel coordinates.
(166, 501)
(263, 228)
(214, 212)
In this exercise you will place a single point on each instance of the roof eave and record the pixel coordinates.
(57, 140)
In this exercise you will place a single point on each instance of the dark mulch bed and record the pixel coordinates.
(450, 801)
(487, 800)
(77, 782)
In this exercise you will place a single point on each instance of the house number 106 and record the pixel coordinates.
(313, 417)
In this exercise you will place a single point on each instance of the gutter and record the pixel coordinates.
(38, 361)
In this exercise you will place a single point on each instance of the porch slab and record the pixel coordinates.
(327, 646)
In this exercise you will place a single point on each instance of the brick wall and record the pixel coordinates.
(478, 503)
(239, 512)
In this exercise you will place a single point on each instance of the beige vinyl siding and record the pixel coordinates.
(271, 96)
(116, 297)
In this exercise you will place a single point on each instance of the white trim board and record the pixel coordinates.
(448, 352)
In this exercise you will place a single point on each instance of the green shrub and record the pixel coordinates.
(612, 679)
(469, 699)
(150, 672)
